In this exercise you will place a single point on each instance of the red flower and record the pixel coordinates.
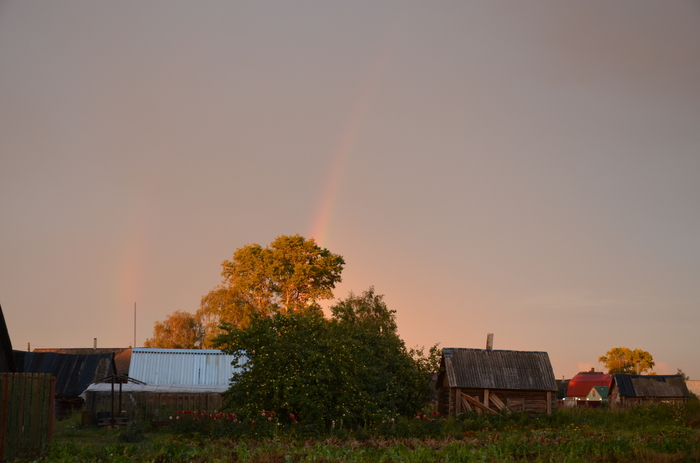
(291, 415)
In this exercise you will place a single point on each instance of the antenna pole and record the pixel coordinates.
(134, 324)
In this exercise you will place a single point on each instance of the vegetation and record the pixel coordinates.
(292, 274)
(347, 371)
(626, 361)
(180, 330)
(654, 433)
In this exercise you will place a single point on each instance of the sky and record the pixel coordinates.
(528, 169)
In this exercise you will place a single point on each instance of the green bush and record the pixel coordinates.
(353, 368)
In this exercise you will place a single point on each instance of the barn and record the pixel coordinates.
(487, 380)
(629, 390)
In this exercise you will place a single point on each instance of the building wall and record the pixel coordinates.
(617, 401)
(515, 400)
(152, 406)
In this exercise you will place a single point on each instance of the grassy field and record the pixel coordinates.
(657, 433)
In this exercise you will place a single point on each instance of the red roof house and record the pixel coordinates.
(581, 384)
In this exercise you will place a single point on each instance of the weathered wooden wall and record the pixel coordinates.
(617, 401)
(26, 418)
(449, 402)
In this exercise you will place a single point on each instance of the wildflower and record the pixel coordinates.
(269, 418)
(291, 415)
(171, 417)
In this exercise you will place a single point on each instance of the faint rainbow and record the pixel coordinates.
(348, 139)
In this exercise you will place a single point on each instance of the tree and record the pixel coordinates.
(350, 369)
(291, 274)
(179, 330)
(625, 360)
(682, 373)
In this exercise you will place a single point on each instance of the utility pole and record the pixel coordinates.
(134, 324)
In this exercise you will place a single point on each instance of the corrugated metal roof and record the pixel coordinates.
(181, 366)
(498, 369)
(73, 373)
(122, 355)
(651, 385)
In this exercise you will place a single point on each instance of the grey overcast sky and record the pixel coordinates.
(530, 169)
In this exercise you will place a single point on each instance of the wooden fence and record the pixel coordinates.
(27, 406)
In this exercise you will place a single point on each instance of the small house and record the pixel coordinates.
(629, 390)
(486, 380)
(73, 374)
(581, 385)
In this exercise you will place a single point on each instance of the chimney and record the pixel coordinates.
(592, 369)
(489, 341)
(94, 346)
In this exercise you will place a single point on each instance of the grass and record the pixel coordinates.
(658, 433)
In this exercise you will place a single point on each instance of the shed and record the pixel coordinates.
(73, 374)
(176, 379)
(493, 380)
(629, 390)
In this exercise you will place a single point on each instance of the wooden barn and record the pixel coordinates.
(486, 380)
(629, 390)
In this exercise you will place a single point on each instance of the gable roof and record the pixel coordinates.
(181, 366)
(7, 362)
(73, 373)
(599, 391)
(581, 384)
(498, 369)
(650, 385)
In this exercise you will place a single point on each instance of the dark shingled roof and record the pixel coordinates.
(73, 373)
(651, 385)
(498, 369)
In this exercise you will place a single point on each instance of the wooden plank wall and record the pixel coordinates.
(27, 406)
(449, 402)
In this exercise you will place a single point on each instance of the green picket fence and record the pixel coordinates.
(26, 413)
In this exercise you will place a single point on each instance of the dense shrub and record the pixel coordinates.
(350, 371)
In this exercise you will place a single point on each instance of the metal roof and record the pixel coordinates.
(122, 355)
(581, 384)
(181, 366)
(651, 385)
(498, 369)
(73, 373)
